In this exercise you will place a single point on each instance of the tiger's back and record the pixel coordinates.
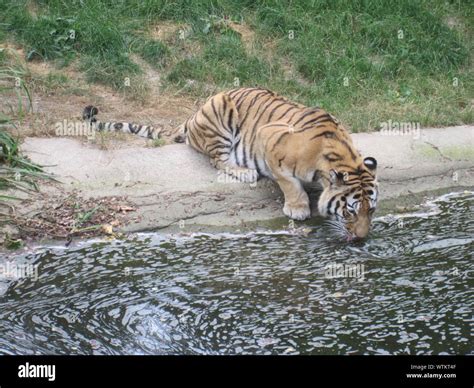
(246, 119)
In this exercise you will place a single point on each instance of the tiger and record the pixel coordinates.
(250, 133)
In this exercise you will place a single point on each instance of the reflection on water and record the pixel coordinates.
(405, 290)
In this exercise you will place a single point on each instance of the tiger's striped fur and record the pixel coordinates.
(90, 112)
(253, 132)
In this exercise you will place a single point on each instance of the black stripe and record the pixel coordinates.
(244, 153)
(255, 127)
(242, 97)
(193, 138)
(316, 175)
(224, 109)
(274, 110)
(237, 129)
(293, 115)
(310, 112)
(229, 121)
(257, 167)
(285, 113)
(319, 120)
(234, 92)
(252, 102)
(279, 139)
(328, 207)
(352, 182)
(327, 134)
(212, 135)
(262, 102)
(217, 146)
(219, 117)
(214, 109)
(350, 149)
(261, 114)
(215, 132)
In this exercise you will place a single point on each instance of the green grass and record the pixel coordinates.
(153, 51)
(158, 143)
(16, 171)
(366, 61)
(12, 81)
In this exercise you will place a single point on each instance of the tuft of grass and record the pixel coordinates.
(158, 142)
(116, 71)
(49, 82)
(153, 51)
(12, 81)
(16, 171)
(12, 244)
(231, 65)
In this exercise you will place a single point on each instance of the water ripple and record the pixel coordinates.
(255, 293)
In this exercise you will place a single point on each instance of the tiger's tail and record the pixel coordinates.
(176, 134)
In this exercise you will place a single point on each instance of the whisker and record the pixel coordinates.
(338, 227)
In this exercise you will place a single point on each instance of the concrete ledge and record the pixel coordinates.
(174, 183)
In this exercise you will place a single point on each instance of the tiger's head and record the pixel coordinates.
(350, 199)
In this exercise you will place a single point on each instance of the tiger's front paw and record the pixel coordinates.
(297, 211)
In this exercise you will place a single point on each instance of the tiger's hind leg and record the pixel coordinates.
(213, 130)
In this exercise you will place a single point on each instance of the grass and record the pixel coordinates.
(16, 171)
(12, 80)
(158, 143)
(366, 61)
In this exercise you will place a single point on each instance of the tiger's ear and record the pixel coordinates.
(336, 178)
(370, 163)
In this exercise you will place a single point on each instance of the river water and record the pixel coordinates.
(405, 290)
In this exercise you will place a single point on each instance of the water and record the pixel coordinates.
(410, 291)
